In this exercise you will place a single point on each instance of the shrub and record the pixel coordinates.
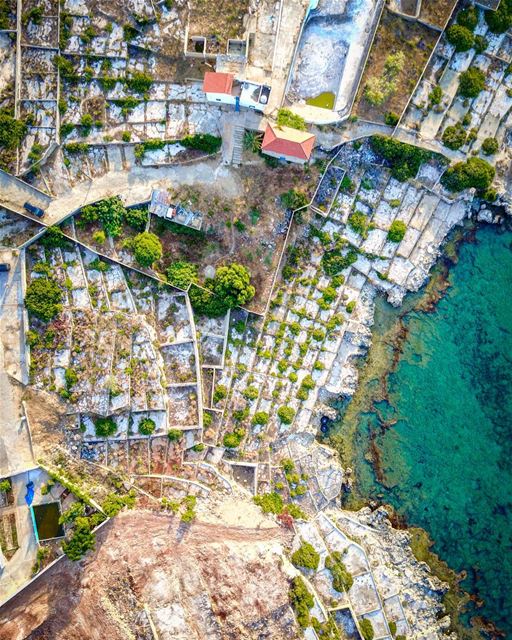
(147, 426)
(174, 435)
(468, 18)
(251, 393)
(105, 427)
(379, 88)
(43, 298)
(286, 414)
(99, 236)
(294, 199)
(136, 218)
(481, 44)
(126, 136)
(82, 540)
(436, 95)
(221, 391)
(260, 417)
(350, 306)
(147, 248)
(182, 274)
(460, 37)
(341, 578)
(269, 502)
(500, 20)
(306, 557)
(366, 628)
(53, 238)
(139, 82)
(12, 131)
(333, 262)
(203, 142)
(474, 173)
(490, 146)
(301, 601)
(397, 231)
(5, 485)
(454, 136)
(286, 118)
(391, 118)
(295, 512)
(233, 439)
(404, 159)
(358, 222)
(207, 419)
(74, 148)
(70, 377)
(205, 302)
(471, 82)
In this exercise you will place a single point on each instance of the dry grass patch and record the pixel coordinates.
(436, 12)
(394, 35)
(249, 230)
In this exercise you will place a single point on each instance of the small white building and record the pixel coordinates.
(224, 88)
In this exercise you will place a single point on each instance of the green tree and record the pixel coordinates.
(111, 213)
(260, 417)
(468, 18)
(174, 435)
(460, 37)
(474, 173)
(286, 414)
(471, 82)
(500, 20)
(405, 159)
(490, 146)
(44, 298)
(182, 273)
(397, 231)
(147, 248)
(233, 285)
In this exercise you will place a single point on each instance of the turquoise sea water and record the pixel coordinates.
(446, 463)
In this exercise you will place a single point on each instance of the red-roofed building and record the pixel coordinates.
(285, 143)
(217, 85)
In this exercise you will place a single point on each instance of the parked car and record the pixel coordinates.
(36, 211)
(5, 266)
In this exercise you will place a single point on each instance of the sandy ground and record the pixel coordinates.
(201, 581)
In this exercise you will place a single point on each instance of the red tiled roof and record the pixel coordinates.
(288, 142)
(217, 82)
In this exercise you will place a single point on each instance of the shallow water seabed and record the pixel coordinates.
(428, 430)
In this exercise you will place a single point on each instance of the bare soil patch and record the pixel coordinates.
(200, 579)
